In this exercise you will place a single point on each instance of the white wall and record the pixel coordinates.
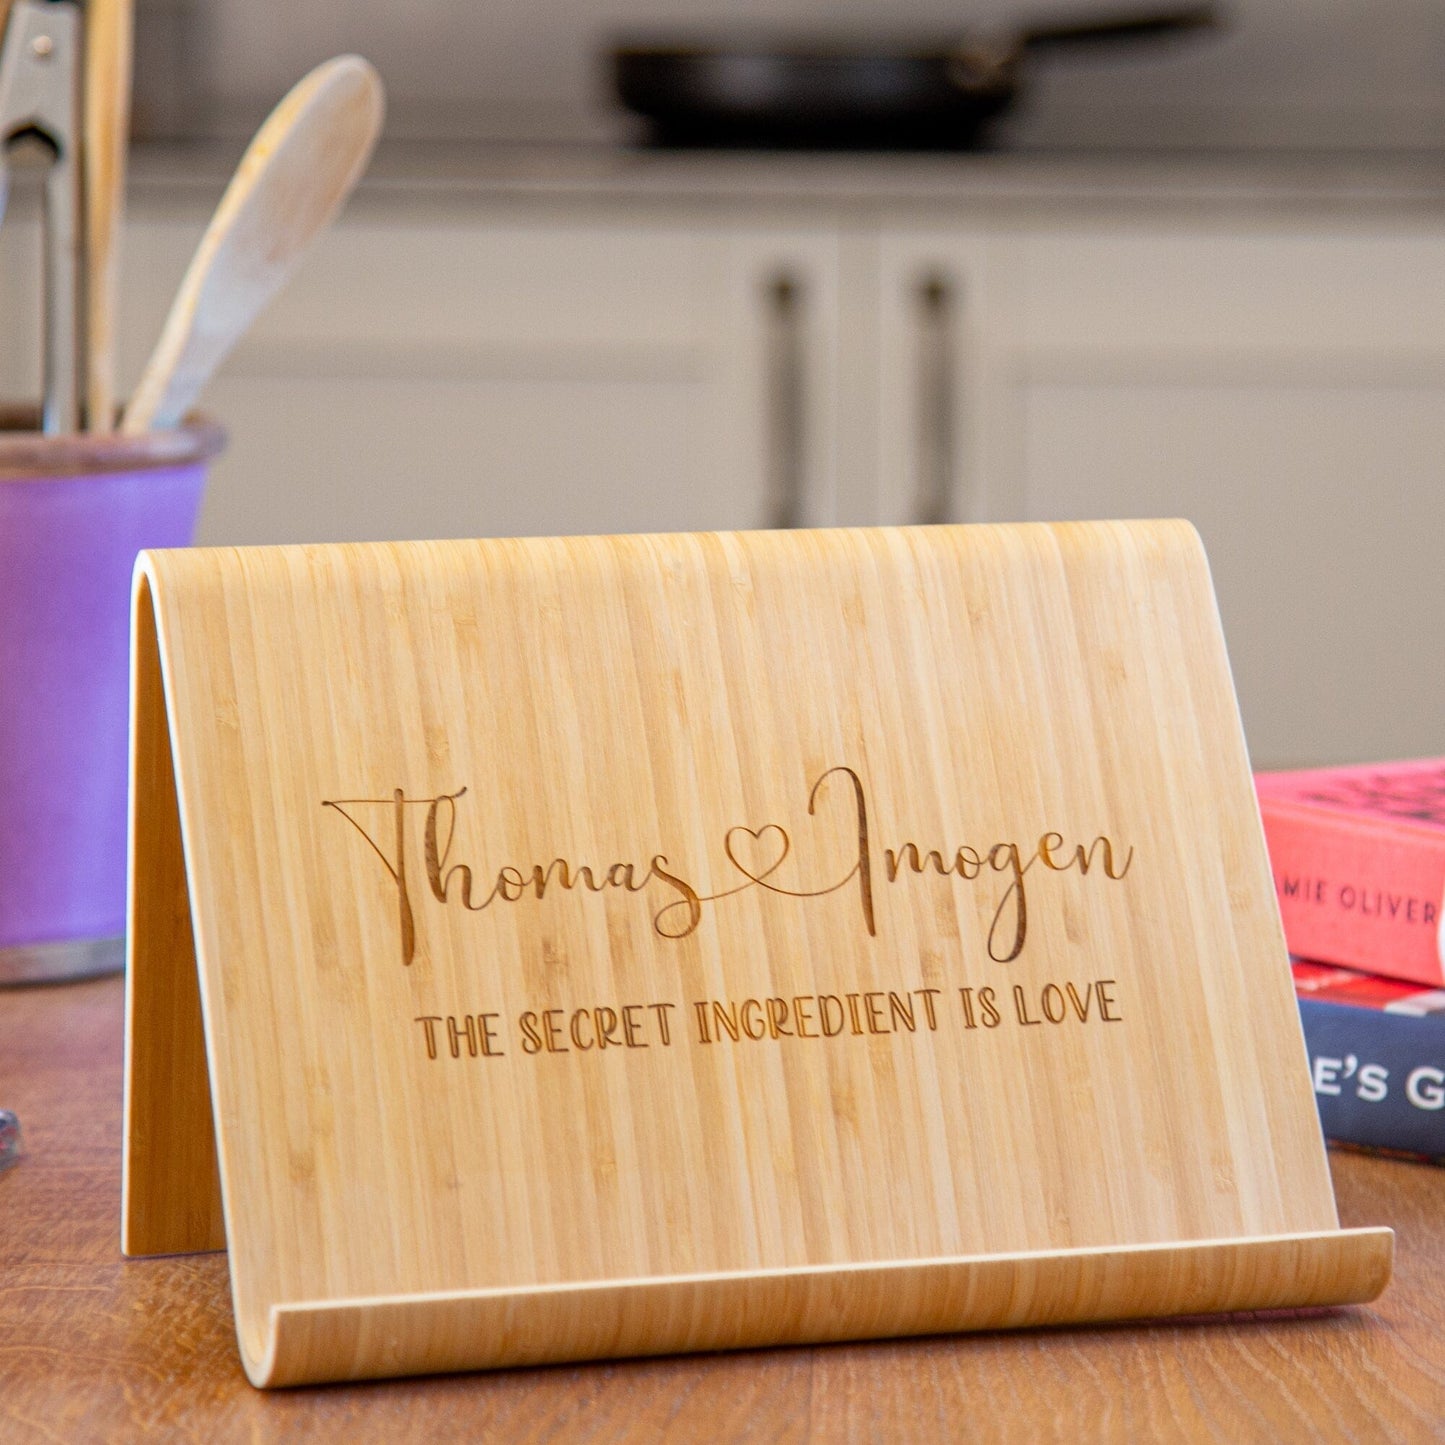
(1287, 72)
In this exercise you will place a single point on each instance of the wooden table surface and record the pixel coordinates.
(96, 1348)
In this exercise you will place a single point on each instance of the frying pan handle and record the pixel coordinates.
(1146, 25)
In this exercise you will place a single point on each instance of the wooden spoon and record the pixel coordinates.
(292, 180)
(106, 98)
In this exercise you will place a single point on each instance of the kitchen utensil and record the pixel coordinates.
(107, 123)
(295, 174)
(40, 101)
(74, 511)
(864, 93)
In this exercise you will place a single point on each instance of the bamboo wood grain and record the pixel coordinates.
(108, 45)
(391, 1208)
(294, 177)
(543, 1325)
(170, 1192)
(95, 1347)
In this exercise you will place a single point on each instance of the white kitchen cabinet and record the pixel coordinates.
(1284, 389)
(500, 373)
(506, 364)
(1281, 386)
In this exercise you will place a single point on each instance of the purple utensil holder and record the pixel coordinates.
(74, 511)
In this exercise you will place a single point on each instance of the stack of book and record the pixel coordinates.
(1358, 856)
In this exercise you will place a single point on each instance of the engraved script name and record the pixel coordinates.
(755, 855)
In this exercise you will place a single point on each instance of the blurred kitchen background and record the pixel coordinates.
(1202, 277)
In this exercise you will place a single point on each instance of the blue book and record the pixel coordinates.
(1377, 1058)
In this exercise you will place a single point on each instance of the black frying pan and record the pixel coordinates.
(847, 95)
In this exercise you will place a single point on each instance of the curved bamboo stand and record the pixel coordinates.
(1141, 1141)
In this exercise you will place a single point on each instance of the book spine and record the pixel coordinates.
(1379, 1078)
(1356, 894)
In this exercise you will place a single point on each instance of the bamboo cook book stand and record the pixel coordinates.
(553, 949)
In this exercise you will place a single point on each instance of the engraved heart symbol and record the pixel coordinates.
(763, 850)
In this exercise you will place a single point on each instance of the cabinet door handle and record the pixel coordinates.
(938, 307)
(785, 400)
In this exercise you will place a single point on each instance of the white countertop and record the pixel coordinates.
(1002, 182)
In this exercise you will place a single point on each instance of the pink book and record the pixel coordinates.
(1358, 856)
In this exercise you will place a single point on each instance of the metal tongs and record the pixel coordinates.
(40, 100)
